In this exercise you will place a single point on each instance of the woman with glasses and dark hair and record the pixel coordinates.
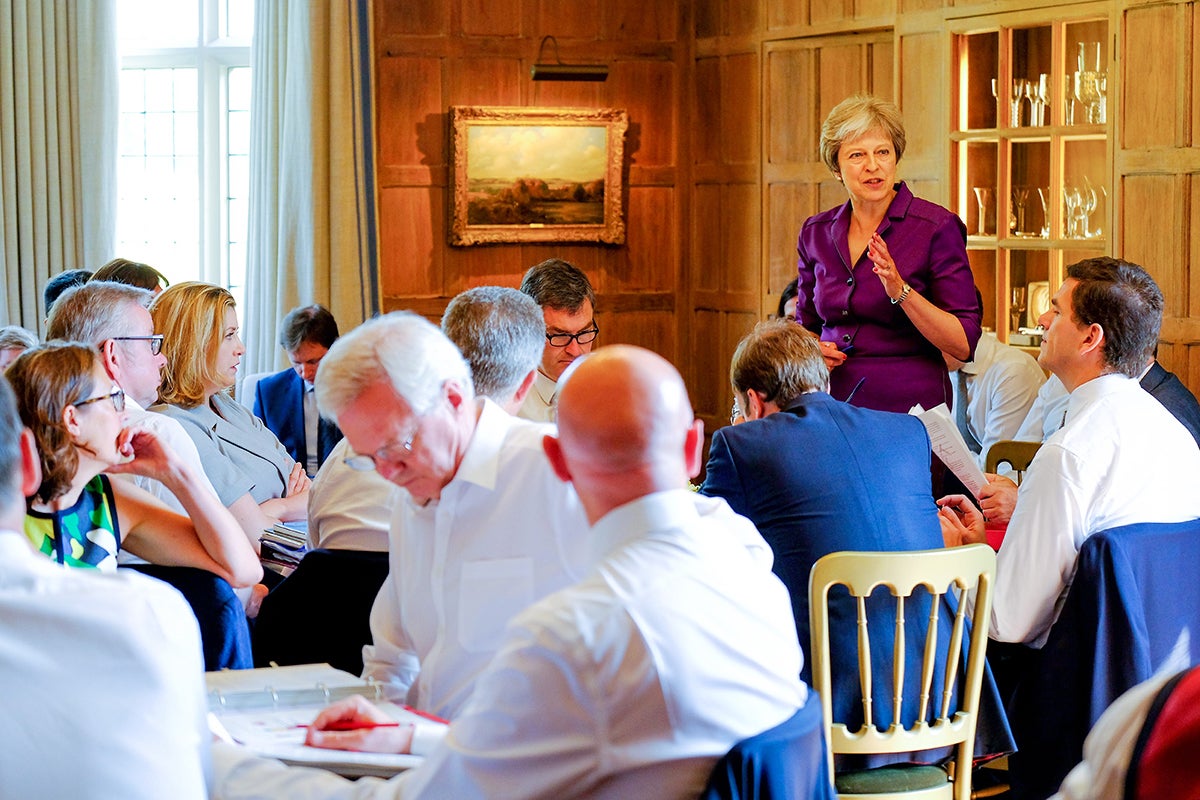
(248, 466)
(81, 518)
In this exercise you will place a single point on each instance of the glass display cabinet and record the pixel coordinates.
(1031, 159)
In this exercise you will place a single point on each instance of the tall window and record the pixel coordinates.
(183, 174)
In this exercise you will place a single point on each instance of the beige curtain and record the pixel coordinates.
(312, 188)
(58, 142)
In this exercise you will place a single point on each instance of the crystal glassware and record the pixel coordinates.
(983, 198)
(1072, 199)
(1020, 198)
(1044, 196)
(1016, 94)
(1016, 308)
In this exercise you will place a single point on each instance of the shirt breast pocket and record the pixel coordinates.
(491, 593)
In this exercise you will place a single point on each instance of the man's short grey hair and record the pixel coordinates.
(401, 348)
(94, 312)
(13, 336)
(501, 333)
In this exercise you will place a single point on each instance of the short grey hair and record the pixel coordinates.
(402, 348)
(501, 333)
(94, 312)
(13, 336)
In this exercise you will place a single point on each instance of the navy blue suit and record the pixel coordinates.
(279, 403)
(1170, 391)
(822, 477)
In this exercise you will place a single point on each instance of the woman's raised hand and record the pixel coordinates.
(885, 267)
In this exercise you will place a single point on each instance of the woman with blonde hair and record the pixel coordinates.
(884, 279)
(251, 471)
(78, 516)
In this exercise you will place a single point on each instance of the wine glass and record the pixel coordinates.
(1044, 196)
(1029, 90)
(1017, 308)
(1072, 199)
(983, 198)
(1020, 197)
(1087, 204)
(1015, 94)
(1043, 97)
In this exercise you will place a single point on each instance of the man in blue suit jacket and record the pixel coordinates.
(818, 476)
(285, 401)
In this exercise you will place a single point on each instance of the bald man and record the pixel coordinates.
(679, 643)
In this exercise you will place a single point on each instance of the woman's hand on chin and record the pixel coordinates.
(142, 453)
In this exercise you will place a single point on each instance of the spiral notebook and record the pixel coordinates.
(266, 710)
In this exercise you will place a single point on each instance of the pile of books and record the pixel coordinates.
(283, 545)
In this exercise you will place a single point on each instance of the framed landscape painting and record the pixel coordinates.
(537, 175)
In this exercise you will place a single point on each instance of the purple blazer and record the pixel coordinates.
(846, 304)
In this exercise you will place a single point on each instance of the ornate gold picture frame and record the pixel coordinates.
(537, 175)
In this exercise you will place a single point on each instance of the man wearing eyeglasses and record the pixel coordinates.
(113, 317)
(568, 306)
(483, 527)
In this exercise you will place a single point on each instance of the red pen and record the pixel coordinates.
(350, 725)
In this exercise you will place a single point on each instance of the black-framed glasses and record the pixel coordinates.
(156, 341)
(117, 395)
(388, 454)
(564, 339)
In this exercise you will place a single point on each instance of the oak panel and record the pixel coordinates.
(489, 17)
(1156, 241)
(740, 108)
(787, 13)
(793, 126)
(648, 260)
(706, 237)
(636, 19)
(640, 87)
(485, 81)
(706, 132)
(424, 18)
(741, 214)
(842, 71)
(409, 125)
(580, 19)
(923, 94)
(1152, 114)
(412, 234)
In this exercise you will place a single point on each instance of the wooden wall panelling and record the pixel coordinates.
(1154, 99)
(412, 231)
(787, 13)
(1159, 240)
(426, 18)
(830, 12)
(487, 17)
(924, 99)
(580, 19)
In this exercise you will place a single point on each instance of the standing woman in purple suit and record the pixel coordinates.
(884, 279)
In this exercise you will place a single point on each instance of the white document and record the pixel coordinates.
(267, 711)
(948, 445)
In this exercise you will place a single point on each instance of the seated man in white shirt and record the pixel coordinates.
(103, 694)
(1120, 458)
(569, 308)
(1001, 384)
(679, 642)
(482, 527)
(500, 333)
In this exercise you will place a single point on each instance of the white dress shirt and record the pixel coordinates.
(101, 684)
(171, 433)
(630, 684)
(312, 419)
(349, 509)
(1046, 414)
(1121, 458)
(1002, 385)
(505, 533)
(541, 403)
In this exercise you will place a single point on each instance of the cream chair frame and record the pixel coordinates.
(960, 569)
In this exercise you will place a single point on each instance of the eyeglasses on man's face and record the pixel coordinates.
(388, 454)
(116, 395)
(156, 341)
(583, 337)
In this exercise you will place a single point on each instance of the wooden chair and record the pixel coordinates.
(956, 571)
(1016, 454)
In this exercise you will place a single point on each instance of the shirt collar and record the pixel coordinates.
(1097, 388)
(481, 463)
(673, 508)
